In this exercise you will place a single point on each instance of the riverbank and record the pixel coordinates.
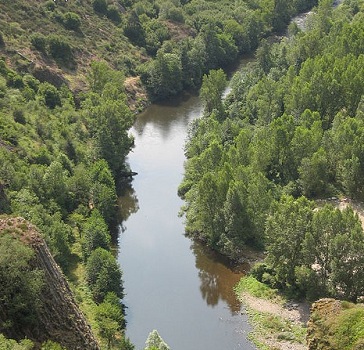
(278, 324)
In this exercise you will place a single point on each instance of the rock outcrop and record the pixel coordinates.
(321, 310)
(59, 319)
(335, 325)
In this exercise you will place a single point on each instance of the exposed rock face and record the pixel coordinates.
(321, 310)
(60, 319)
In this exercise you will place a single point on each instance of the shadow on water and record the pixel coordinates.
(218, 276)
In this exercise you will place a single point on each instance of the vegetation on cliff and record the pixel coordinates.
(36, 301)
(335, 325)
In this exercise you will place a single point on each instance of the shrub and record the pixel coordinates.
(31, 82)
(50, 5)
(113, 14)
(71, 21)
(100, 6)
(50, 95)
(39, 42)
(176, 15)
(18, 115)
(14, 80)
(59, 47)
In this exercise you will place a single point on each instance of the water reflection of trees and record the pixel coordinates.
(165, 115)
(128, 204)
(217, 278)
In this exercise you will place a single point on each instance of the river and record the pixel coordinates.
(172, 284)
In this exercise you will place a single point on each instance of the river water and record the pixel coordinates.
(172, 284)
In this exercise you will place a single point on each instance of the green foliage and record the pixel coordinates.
(348, 330)
(103, 275)
(100, 6)
(95, 234)
(291, 126)
(113, 13)
(20, 285)
(258, 289)
(11, 344)
(163, 77)
(110, 318)
(59, 48)
(50, 95)
(39, 41)
(71, 21)
(2, 42)
(50, 345)
(213, 86)
(134, 30)
(155, 342)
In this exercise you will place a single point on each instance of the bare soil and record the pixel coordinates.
(295, 313)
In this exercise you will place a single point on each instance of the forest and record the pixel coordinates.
(289, 135)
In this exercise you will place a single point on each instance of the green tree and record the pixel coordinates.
(20, 284)
(286, 229)
(134, 29)
(103, 274)
(112, 120)
(59, 48)
(326, 223)
(155, 342)
(347, 275)
(213, 86)
(100, 6)
(110, 318)
(315, 174)
(94, 234)
(11, 344)
(163, 76)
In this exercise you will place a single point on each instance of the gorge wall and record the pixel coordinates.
(59, 319)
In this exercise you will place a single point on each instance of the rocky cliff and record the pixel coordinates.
(59, 319)
(336, 325)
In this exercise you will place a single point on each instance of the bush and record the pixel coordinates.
(31, 82)
(71, 21)
(100, 6)
(50, 5)
(39, 42)
(176, 15)
(59, 47)
(14, 80)
(18, 115)
(113, 14)
(50, 95)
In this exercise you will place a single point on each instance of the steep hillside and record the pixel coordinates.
(336, 325)
(56, 316)
(88, 35)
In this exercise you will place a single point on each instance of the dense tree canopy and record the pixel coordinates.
(291, 127)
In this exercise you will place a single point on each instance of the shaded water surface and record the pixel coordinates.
(172, 284)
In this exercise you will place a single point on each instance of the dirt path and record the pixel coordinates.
(294, 313)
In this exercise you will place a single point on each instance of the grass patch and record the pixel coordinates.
(249, 284)
(348, 328)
